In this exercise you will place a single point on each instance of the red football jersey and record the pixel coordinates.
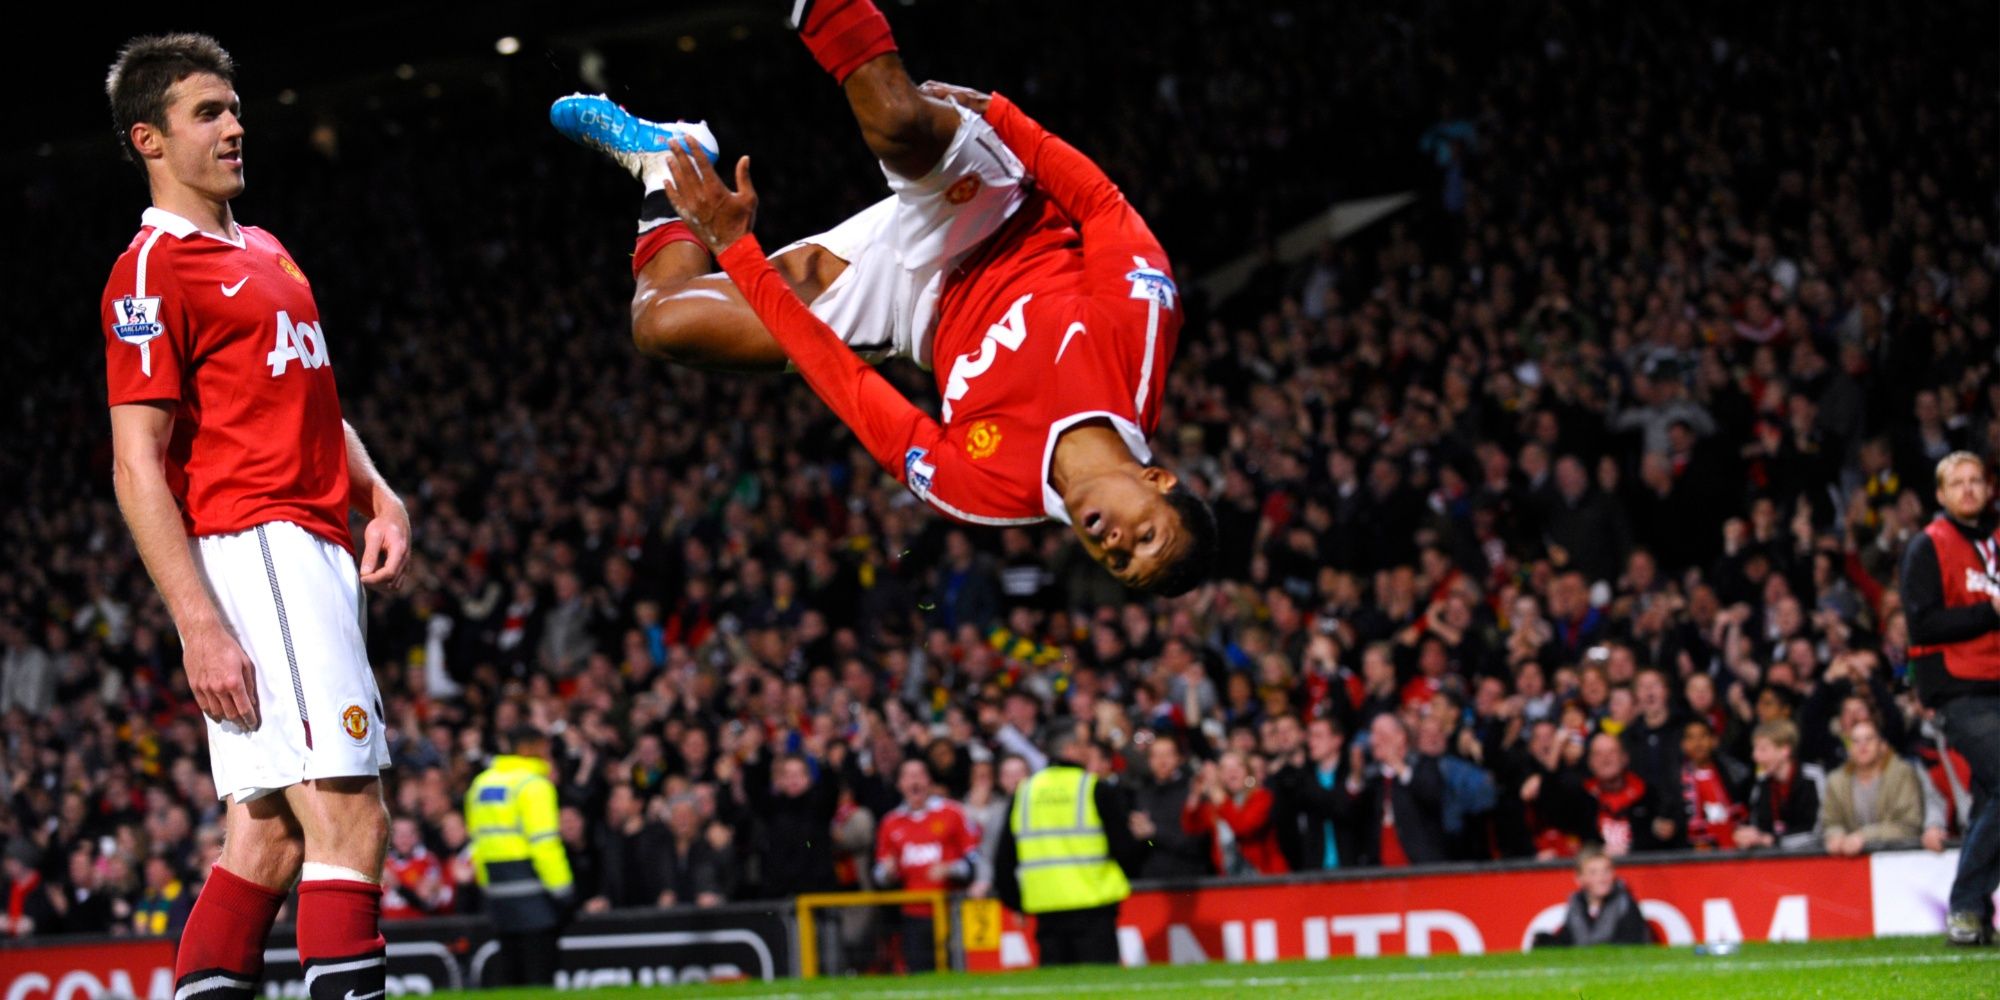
(1069, 313)
(230, 334)
(908, 843)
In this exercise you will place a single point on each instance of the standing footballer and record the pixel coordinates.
(236, 473)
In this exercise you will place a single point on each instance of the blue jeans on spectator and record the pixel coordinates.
(1972, 727)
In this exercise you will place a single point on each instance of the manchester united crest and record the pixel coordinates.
(354, 722)
(962, 192)
(983, 439)
(292, 269)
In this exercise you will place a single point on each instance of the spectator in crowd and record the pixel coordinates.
(1159, 796)
(1313, 783)
(1871, 800)
(795, 812)
(1227, 805)
(1602, 910)
(699, 864)
(1398, 798)
(1784, 804)
(1628, 814)
(163, 907)
(1713, 789)
(414, 882)
(29, 910)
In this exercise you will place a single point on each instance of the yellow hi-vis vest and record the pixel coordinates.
(1064, 858)
(517, 852)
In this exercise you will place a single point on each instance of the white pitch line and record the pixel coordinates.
(1533, 972)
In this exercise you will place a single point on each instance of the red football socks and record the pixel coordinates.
(658, 238)
(220, 955)
(340, 938)
(843, 34)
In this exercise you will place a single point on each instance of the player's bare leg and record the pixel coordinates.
(682, 310)
(223, 941)
(262, 842)
(905, 129)
(346, 831)
(685, 312)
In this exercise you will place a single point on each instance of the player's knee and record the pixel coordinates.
(661, 328)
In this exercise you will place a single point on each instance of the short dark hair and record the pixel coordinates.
(148, 67)
(1196, 561)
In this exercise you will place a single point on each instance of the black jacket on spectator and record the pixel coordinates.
(1790, 814)
(1304, 809)
(701, 869)
(1655, 752)
(1173, 852)
(634, 865)
(794, 833)
(1418, 804)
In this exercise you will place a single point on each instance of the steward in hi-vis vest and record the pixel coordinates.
(1064, 855)
(517, 853)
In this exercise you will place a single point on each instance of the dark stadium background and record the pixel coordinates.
(471, 270)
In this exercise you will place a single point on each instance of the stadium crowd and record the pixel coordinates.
(1564, 508)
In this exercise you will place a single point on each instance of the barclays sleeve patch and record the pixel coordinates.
(917, 472)
(136, 320)
(1151, 283)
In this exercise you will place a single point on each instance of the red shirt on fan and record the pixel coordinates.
(909, 842)
(407, 878)
(1712, 817)
(228, 333)
(1068, 314)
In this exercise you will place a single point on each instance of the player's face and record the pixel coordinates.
(1126, 524)
(203, 141)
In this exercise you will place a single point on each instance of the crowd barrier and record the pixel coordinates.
(1468, 909)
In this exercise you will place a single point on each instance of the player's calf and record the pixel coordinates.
(221, 953)
(340, 886)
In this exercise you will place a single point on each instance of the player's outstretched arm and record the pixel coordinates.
(219, 673)
(887, 424)
(385, 542)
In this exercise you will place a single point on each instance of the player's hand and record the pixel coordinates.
(952, 93)
(716, 214)
(385, 546)
(221, 676)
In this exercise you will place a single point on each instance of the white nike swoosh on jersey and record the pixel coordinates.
(1074, 329)
(351, 995)
(230, 291)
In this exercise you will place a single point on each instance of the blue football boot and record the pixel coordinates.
(594, 120)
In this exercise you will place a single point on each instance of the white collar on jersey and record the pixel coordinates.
(181, 228)
(1135, 439)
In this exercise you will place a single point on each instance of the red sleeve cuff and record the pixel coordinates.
(742, 253)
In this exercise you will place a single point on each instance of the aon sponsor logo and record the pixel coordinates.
(1009, 334)
(300, 342)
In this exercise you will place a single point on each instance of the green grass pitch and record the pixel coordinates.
(1903, 968)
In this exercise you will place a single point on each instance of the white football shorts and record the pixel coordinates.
(899, 249)
(293, 600)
